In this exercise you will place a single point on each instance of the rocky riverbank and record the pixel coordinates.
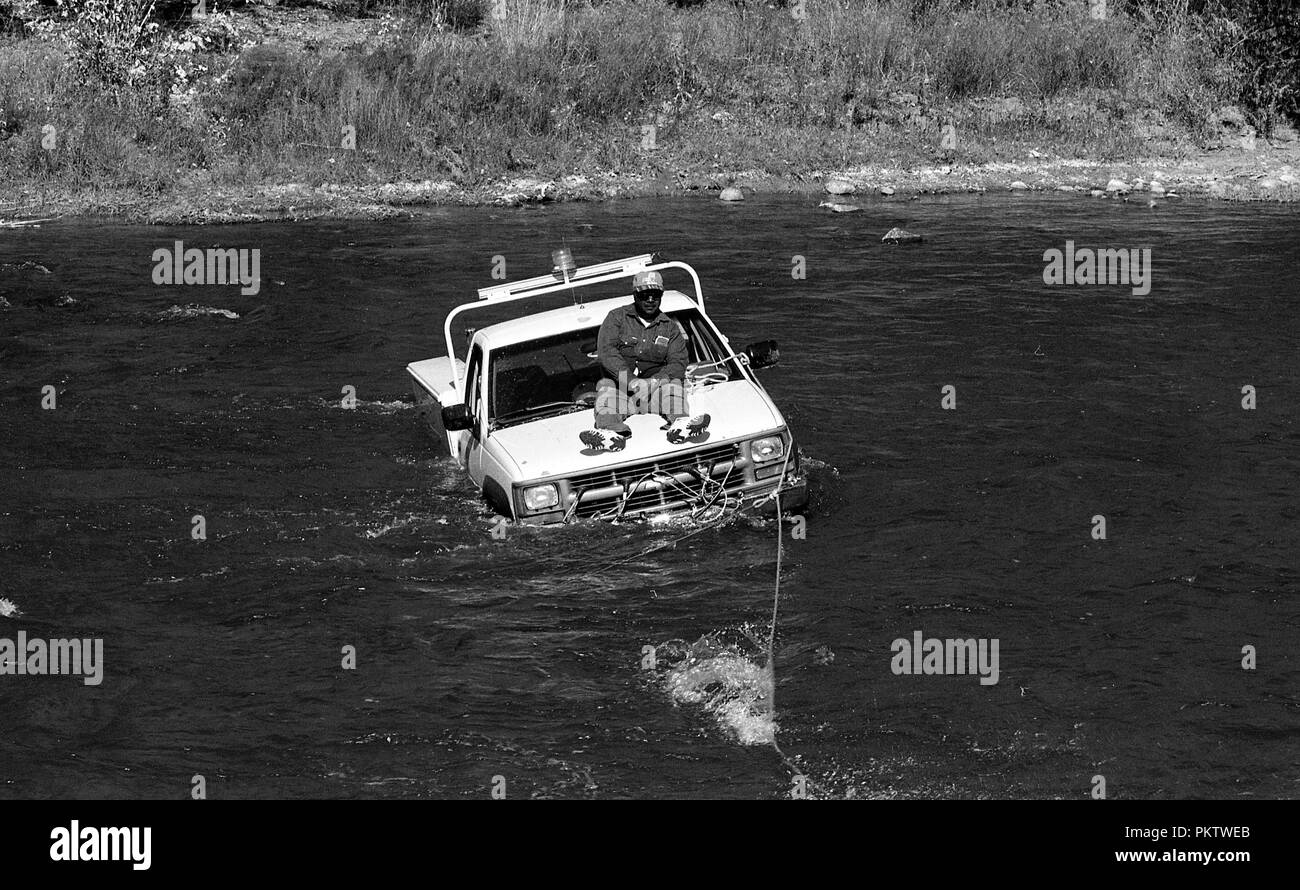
(268, 113)
(1269, 172)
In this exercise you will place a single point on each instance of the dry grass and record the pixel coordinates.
(543, 87)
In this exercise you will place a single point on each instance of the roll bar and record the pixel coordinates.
(557, 280)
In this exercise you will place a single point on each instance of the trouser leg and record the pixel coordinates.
(668, 397)
(615, 402)
(612, 406)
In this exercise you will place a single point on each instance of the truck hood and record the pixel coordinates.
(550, 447)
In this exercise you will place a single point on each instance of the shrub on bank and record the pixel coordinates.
(458, 90)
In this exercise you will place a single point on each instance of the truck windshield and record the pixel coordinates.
(555, 374)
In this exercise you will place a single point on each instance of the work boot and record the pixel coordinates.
(684, 428)
(603, 440)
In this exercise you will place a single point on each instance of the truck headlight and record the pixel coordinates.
(541, 497)
(767, 449)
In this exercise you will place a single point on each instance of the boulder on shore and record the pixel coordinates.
(839, 187)
(731, 193)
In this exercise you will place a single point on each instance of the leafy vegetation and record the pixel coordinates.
(142, 93)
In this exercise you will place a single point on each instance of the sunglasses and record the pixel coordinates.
(648, 295)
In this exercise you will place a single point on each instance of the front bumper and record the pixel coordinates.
(699, 482)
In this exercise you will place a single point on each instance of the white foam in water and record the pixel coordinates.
(8, 609)
(193, 310)
(732, 688)
(412, 519)
(376, 407)
(387, 407)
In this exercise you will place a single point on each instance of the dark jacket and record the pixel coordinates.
(625, 344)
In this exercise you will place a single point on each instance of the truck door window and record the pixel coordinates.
(472, 382)
(703, 346)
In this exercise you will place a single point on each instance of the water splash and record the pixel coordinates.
(729, 678)
(379, 407)
(375, 407)
(410, 521)
(193, 310)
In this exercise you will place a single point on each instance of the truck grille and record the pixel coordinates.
(604, 490)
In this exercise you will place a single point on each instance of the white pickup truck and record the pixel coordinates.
(512, 412)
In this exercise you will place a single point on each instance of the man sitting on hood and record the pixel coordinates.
(644, 353)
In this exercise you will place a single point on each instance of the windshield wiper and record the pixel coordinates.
(549, 407)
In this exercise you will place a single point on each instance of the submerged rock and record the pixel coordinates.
(840, 208)
(731, 194)
(25, 266)
(900, 236)
(839, 187)
(50, 301)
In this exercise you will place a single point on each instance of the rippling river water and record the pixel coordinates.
(521, 658)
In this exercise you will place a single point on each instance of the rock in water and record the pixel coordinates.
(1019, 186)
(886, 189)
(1096, 193)
(900, 236)
(731, 194)
(840, 208)
(839, 187)
(1117, 185)
(1157, 188)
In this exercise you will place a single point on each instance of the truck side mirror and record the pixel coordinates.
(456, 417)
(763, 354)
